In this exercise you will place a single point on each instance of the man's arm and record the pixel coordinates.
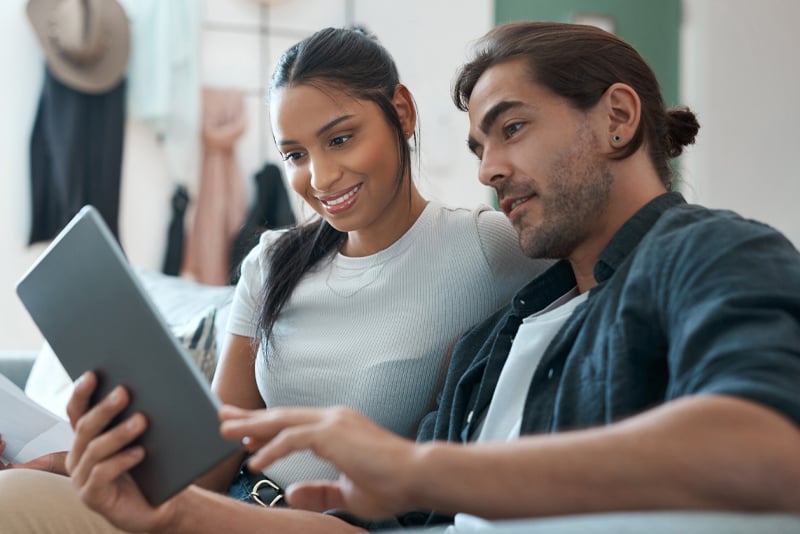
(703, 452)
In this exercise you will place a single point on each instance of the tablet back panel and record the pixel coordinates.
(91, 308)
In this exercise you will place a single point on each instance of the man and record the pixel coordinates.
(655, 367)
(672, 385)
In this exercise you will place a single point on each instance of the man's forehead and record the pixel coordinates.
(504, 82)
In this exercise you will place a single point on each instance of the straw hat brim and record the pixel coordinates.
(98, 76)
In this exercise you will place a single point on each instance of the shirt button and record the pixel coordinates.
(550, 373)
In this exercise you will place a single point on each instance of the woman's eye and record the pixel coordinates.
(291, 156)
(339, 140)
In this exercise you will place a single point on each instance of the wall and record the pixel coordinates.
(737, 72)
(21, 81)
(740, 75)
(240, 40)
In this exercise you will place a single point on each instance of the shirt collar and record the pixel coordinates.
(631, 233)
(560, 278)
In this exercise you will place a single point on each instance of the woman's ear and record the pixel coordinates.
(406, 111)
(622, 109)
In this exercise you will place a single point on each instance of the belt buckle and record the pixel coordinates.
(266, 482)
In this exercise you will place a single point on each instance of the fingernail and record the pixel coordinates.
(116, 395)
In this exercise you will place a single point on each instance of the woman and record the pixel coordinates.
(361, 305)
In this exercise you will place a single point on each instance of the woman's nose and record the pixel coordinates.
(324, 174)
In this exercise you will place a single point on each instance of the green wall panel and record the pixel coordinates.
(651, 26)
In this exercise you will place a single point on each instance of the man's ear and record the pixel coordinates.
(622, 109)
(406, 111)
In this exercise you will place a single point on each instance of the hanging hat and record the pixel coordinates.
(85, 42)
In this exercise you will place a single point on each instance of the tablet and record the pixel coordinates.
(92, 310)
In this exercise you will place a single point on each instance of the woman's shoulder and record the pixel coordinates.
(268, 238)
(481, 220)
(479, 214)
(255, 260)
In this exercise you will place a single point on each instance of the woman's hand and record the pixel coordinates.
(53, 462)
(100, 459)
(377, 466)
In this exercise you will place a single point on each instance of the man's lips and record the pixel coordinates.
(508, 204)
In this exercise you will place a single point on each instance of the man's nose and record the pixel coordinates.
(494, 166)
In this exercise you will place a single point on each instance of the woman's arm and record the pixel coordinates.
(234, 383)
(53, 462)
(101, 458)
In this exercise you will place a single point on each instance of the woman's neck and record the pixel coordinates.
(392, 226)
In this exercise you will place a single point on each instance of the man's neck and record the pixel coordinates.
(635, 184)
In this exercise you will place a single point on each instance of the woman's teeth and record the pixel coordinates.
(343, 198)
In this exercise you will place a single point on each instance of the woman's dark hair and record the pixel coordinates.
(579, 63)
(354, 62)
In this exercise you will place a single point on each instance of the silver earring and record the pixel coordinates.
(617, 138)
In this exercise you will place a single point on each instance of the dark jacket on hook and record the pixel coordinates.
(75, 156)
(271, 210)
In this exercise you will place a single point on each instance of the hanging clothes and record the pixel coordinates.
(164, 78)
(75, 156)
(176, 232)
(271, 210)
(221, 205)
(164, 93)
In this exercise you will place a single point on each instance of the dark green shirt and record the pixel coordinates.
(689, 301)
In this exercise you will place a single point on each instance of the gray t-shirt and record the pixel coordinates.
(375, 333)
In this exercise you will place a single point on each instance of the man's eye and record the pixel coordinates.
(512, 128)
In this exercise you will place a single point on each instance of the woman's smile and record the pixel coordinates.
(339, 202)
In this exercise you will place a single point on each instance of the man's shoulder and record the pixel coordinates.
(692, 225)
(689, 237)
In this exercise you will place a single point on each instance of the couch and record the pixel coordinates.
(17, 365)
(185, 304)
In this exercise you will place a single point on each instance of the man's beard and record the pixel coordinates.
(577, 197)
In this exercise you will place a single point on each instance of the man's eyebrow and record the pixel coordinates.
(495, 111)
(489, 119)
(319, 132)
(473, 145)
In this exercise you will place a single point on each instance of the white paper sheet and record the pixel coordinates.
(28, 429)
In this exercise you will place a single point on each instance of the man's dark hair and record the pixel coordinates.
(579, 63)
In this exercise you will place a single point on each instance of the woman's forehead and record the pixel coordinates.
(298, 108)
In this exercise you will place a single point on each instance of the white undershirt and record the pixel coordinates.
(504, 417)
